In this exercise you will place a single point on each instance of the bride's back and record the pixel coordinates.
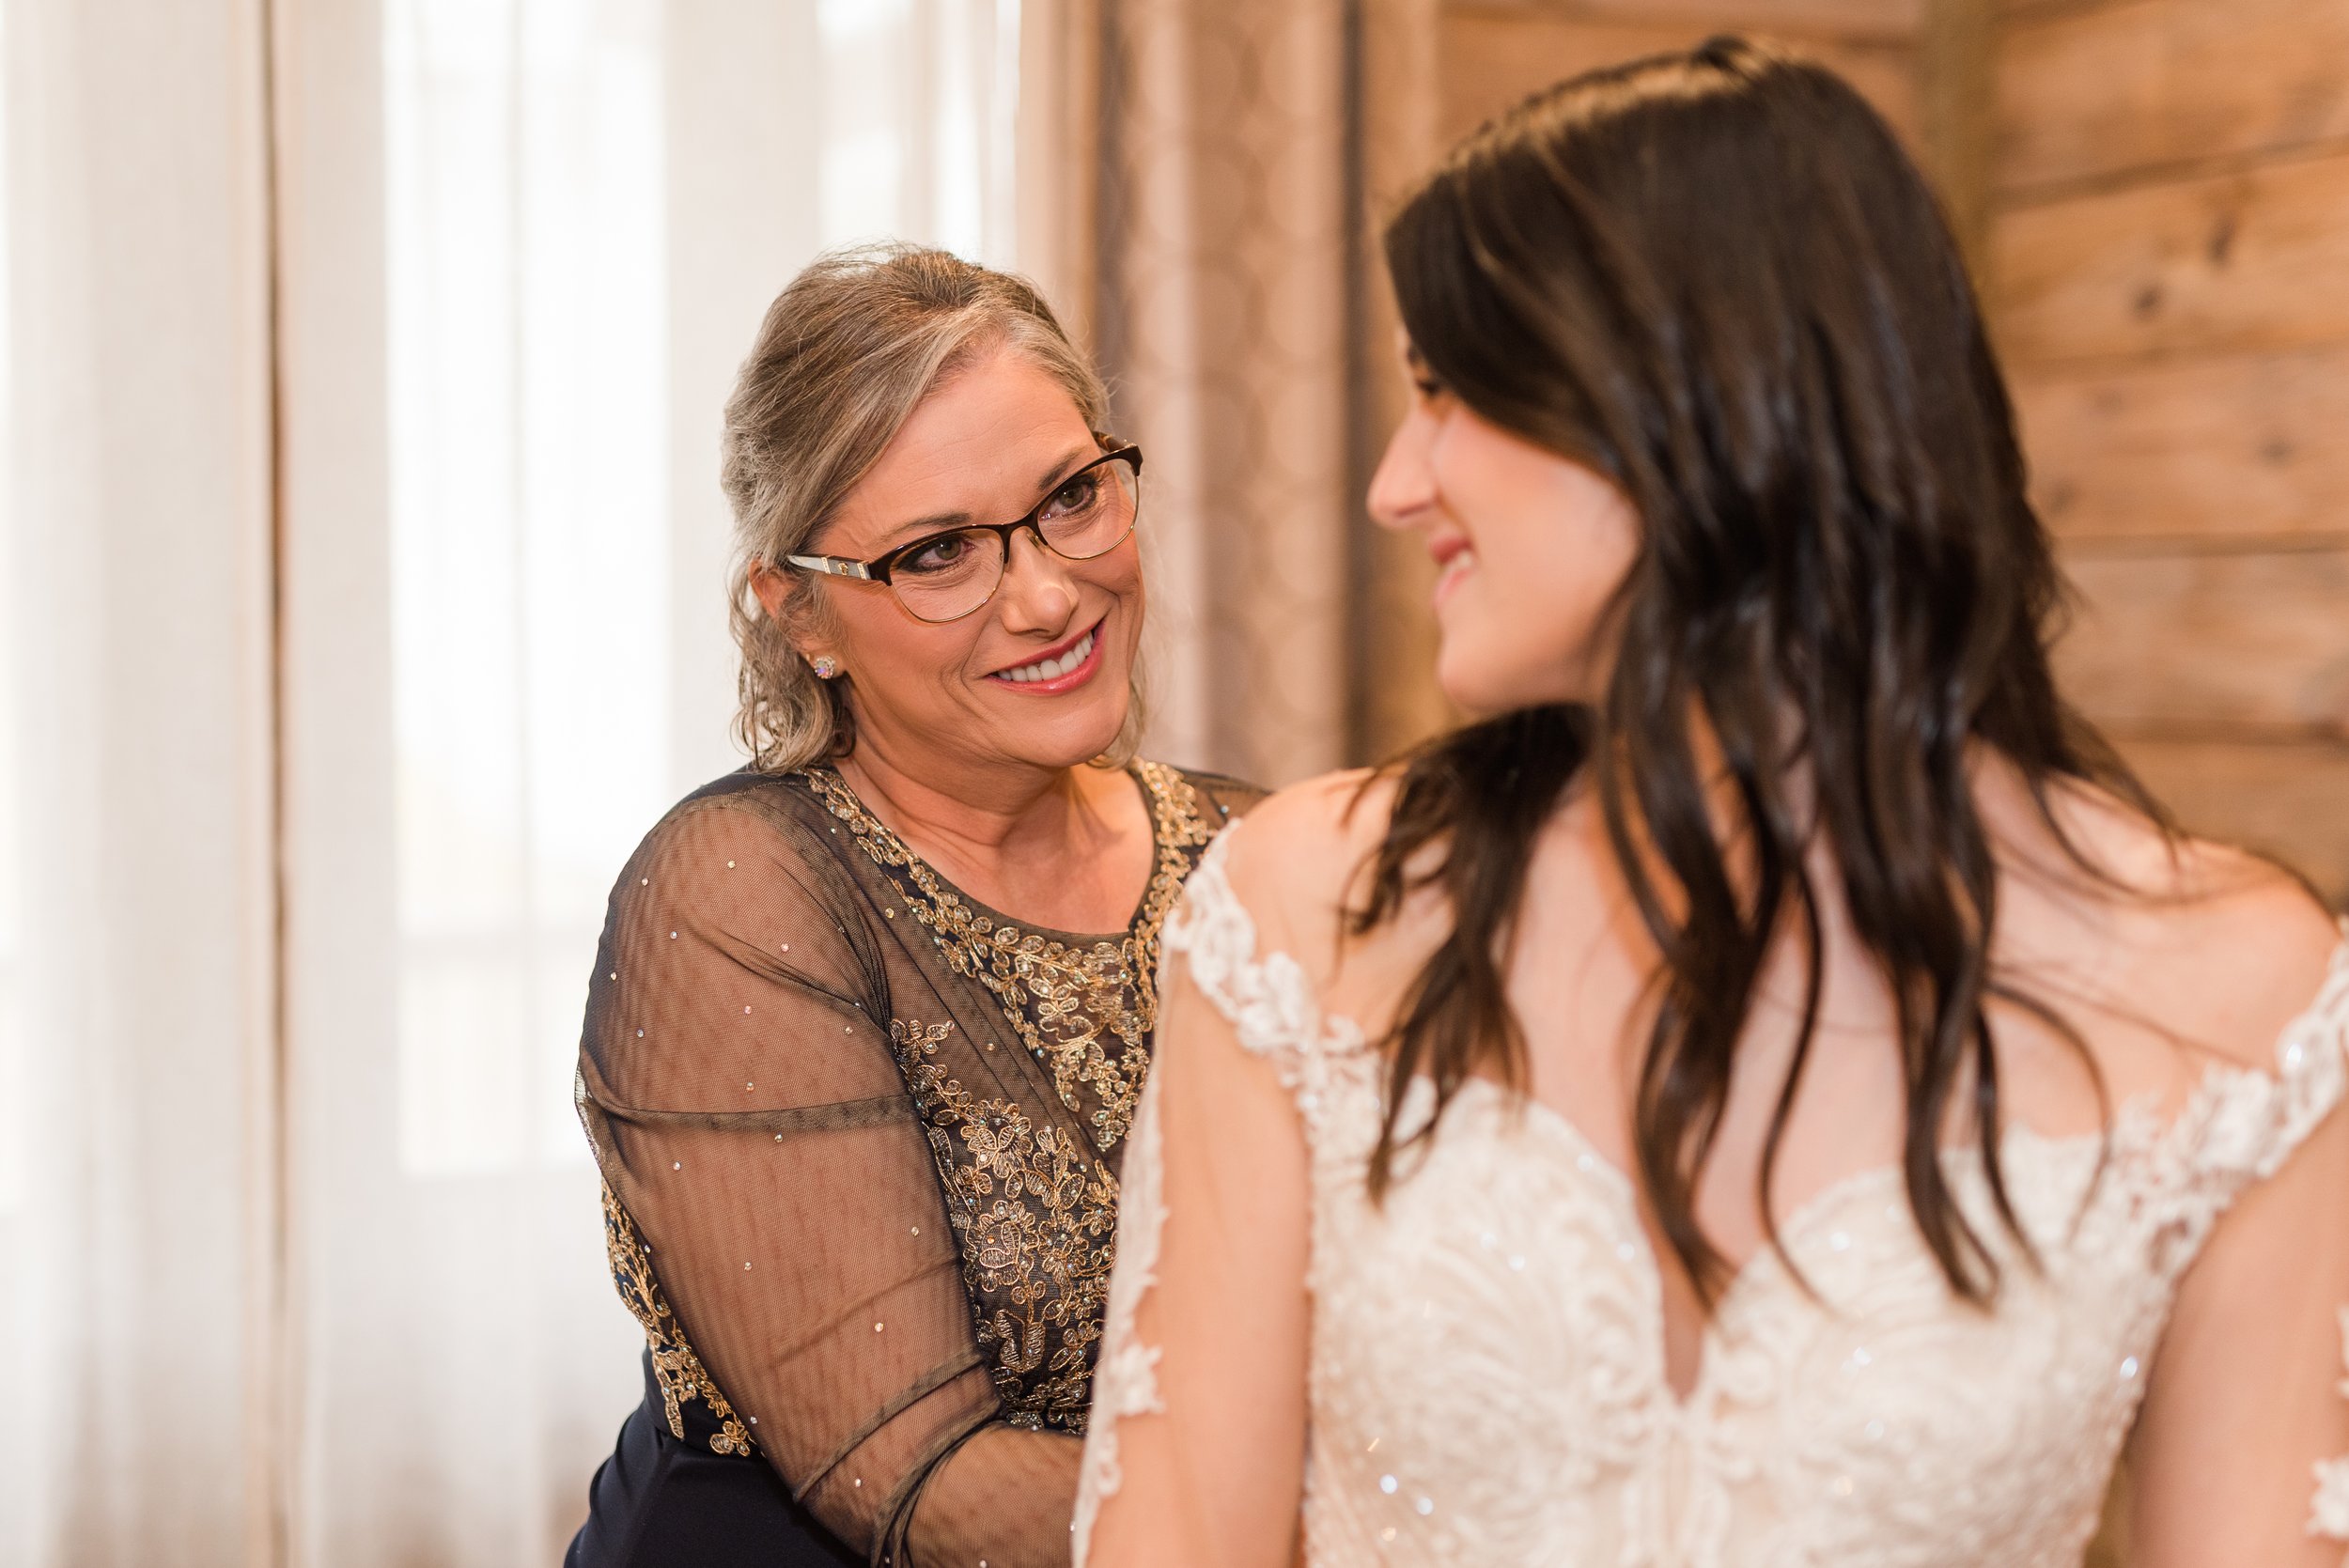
(1506, 1361)
(2136, 962)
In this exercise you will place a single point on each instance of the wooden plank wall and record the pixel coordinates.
(2165, 237)
(2169, 244)
(1495, 52)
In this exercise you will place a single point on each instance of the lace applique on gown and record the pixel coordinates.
(1883, 1423)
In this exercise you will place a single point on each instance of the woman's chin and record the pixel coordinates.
(1072, 739)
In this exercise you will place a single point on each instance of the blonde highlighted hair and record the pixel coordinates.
(845, 355)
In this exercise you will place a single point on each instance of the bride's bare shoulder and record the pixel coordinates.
(1309, 838)
(2223, 945)
(1300, 860)
(2238, 948)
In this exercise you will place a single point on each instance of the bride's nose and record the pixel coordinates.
(1403, 490)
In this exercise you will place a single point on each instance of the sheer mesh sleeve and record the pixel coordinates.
(739, 1081)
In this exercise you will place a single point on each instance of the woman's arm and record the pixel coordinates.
(2245, 1399)
(1209, 1318)
(791, 1200)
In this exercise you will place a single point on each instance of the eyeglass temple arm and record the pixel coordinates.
(834, 564)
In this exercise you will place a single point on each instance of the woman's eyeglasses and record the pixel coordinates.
(948, 575)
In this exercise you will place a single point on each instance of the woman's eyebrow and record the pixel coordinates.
(1059, 472)
(940, 522)
(906, 533)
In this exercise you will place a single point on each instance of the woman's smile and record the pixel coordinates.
(1063, 667)
(1454, 557)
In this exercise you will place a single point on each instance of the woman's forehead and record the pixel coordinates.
(991, 440)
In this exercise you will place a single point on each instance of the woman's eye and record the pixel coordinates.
(1429, 389)
(1076, 495)
(937, 555)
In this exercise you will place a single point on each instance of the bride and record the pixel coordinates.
(1774, 1091)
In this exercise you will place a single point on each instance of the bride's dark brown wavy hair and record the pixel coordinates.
(1716, 278)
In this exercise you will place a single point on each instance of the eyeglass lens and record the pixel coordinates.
(953, 574)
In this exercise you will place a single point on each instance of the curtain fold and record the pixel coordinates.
(1223, 168)
(137, 1263)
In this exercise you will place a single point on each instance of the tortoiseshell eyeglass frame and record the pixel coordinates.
(878, 568)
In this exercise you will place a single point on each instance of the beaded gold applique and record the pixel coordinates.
(1034, 1212)
(1064, 1004)
(1034, 1219)
(1035, 1216)
(674, 1366)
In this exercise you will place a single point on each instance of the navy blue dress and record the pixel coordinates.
(662, 1501)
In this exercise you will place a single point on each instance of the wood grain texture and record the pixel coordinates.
(1954, 69)
(2240, 446)
(2255, 260)
(1492, 59)
(2128, 86)
(1873, 21)
(2289, 800)
(2215, 640)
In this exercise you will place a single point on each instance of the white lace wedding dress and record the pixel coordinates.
(1487, 1377)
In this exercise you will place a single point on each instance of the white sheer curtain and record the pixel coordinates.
(11, 829)
(360, 600)
(16, 1524)
(135, 1264)
(529, 241)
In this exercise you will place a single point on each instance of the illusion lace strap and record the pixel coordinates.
(2316, 1045)
(1268, 1000)
(2243, 1123)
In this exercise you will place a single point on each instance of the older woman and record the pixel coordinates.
(870, 1017)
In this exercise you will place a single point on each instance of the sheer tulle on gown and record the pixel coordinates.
(1485, 1377)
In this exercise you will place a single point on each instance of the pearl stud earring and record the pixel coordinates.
(823, 666)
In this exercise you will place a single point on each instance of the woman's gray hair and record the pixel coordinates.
(847, 353)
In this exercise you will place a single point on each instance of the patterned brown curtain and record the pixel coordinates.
(1203, 181)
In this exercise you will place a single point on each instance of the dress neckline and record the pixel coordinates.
(832, 787)
(1060, 993)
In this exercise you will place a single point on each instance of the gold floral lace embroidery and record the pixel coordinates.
(1064, 1004)
(1035, 1213)
(674, 1366)
(1033, 1218)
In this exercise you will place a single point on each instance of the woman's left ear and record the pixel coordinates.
(771, 588)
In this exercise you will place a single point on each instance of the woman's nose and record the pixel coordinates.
(1038, 593)
(1403, 490)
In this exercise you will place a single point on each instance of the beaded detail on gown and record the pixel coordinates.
(1487, 1372)
(861, 1137)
